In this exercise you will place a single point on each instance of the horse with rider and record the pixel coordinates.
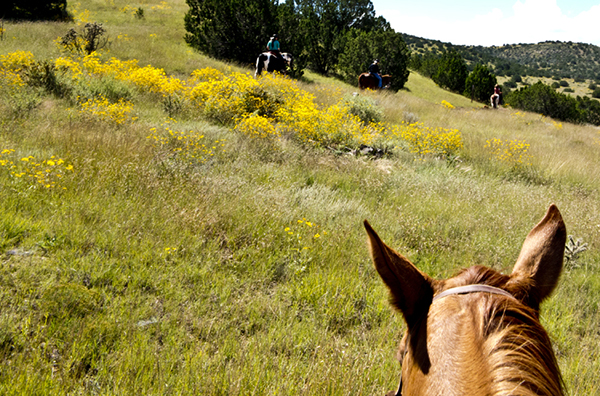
(373, 79)
(273, 60)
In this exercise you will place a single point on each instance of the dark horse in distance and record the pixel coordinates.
(366, 80)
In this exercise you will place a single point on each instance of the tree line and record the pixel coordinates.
(334, 37)
(33, 9)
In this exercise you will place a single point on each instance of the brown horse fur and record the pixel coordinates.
(366, 80)
(478, 344)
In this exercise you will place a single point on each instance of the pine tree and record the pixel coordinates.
(480, 84)
(452, 72)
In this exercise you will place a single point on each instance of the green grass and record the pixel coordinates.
(148, 275)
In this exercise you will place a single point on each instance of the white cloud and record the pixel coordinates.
(531, 21)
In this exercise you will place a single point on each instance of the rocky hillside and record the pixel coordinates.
(546, 59)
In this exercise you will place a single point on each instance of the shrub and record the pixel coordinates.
(363, 108)
(480, 83)
(452, 72)
(43, 74)
(555, 85)
(569, 90)
(541, 98)
(596, 93)
(89, 40)
(106, 86)
(591, 109)
(563, 83)
(592, 86)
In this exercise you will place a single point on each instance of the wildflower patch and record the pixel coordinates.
(512, 152)
(102, 109)
(188, 146)
(43, 173)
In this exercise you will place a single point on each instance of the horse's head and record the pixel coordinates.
(477, 333)
(289, 59)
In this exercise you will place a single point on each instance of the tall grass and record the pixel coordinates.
(145, 271)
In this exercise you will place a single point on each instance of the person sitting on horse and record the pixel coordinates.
(496, 96)
(374, 70)
(273, 46)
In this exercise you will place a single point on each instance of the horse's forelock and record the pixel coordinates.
(515, 344)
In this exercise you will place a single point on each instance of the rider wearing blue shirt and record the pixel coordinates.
(273, 45)
(374, 70)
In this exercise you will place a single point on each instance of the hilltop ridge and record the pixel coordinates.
(579, 61)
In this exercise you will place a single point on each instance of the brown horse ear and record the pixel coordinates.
(541, 259)
(411, 290)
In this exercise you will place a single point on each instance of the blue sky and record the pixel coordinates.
(480, 22)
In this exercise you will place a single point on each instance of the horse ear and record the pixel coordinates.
(411, 290)
(541, 259)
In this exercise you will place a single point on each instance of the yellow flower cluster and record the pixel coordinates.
(267, 107)
(513, 152)
(102, 109)
(161, 7)
(425, 140)
(80, 17)
(45, 173)
(188, 146)
(148, 79)
(12, 64)
(255, 125)
(304, 234)
(557, 125)
(447, 105)
(129, 10)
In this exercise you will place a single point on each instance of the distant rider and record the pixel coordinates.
(496, 96)
(374, 70)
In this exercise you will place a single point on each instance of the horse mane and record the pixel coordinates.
(519, 350)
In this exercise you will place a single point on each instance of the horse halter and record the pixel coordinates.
(462, 290)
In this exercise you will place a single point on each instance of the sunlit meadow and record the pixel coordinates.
(171, 225)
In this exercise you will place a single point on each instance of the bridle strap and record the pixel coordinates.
(464, 290)
(473, 289)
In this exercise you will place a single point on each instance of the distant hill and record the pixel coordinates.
(546, 59)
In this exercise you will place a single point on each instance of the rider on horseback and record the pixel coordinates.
(273, 47)
(374, 70)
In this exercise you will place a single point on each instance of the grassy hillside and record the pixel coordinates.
(200, 232)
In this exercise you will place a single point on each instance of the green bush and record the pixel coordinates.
(44, 74)
(364, 108)
(452, 72)
(480, 83)
(90, 39)
(555, 85)
(591, 109)
(596, 93)
(541, 98)
(106, 86)
(563, 83)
